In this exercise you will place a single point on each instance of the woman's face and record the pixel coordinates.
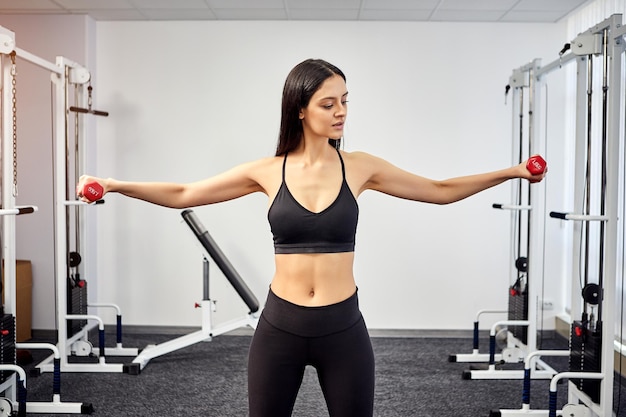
(326, 112)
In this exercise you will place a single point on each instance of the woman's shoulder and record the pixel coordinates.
(264, 169)
(360, 158)
(367, 166)
(361, 169)
(263, 163)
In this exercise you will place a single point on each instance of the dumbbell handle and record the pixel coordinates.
(536, 165)
(93, 191)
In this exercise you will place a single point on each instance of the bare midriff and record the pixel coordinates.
(314, 279)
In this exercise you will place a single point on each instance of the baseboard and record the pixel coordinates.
(51, 335)
(44, 335)
(246, 331)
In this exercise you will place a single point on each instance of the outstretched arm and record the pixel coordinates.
(236, 182)
(389, 179)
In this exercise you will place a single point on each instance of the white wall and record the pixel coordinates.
(191, 99)
(45, 37)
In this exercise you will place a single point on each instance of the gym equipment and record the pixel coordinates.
(529, 364)
(592, 337)
(89, 110)
(210, 250)
(16, 211)
(220, 259)
(93, 191)
(65, 73)
(536, 165)
(13, 377)
(74, 322)
(517, 335)
(476, 356)
(592, 343)
(518, 81)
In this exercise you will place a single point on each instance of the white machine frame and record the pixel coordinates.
(207, 331)
(65, 72)
(588, 43)
(516, 350)
(8, 212)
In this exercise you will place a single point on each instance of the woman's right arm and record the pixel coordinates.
(236, 182)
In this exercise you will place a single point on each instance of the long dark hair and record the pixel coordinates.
(301, 83)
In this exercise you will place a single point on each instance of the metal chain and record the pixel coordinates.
(14, 110)
(89, 99)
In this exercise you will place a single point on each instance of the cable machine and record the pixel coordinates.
(13, 377)
(74, 322)
(518, 333)
(592, 336)
(73, 338)
(595, 225)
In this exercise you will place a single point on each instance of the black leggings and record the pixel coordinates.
(333, 339)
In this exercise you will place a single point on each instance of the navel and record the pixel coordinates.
(312, 293)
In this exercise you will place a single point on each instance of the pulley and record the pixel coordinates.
(6, 407)
(576, 410)
(591, 294)
(502, 336)
(521, 264)
(512, 355)
(74, 259)
(81, 348)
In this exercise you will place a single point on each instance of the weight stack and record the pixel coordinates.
(585, 356)
(7, 344)
(518, 310)
(76, 304)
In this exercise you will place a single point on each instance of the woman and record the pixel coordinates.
(311, 316)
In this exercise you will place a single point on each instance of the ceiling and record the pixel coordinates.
(339, 10)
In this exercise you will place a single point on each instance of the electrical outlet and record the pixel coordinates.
(547, 305)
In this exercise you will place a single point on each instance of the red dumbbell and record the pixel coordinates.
(536, 165)
(93, 191)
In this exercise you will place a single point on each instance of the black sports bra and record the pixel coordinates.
(299, 230)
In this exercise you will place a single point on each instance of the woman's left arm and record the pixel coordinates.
(387, 178)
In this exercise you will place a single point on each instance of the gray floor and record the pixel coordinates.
(414, 378)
